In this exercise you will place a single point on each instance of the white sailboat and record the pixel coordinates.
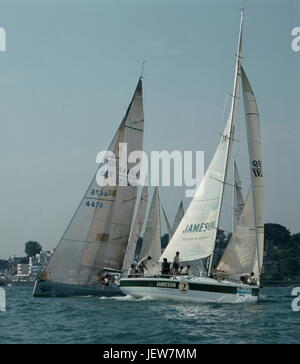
(196, 234)
(151, 245)
(169, 229)
(96, 239)
(178, 217)
(136, 229)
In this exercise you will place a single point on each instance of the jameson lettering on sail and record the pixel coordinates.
(199, 228)
(296, 40)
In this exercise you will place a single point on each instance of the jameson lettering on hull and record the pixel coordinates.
(190, 289)
(166, 284)
(199, 228)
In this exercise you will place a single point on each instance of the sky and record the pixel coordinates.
(68, 75)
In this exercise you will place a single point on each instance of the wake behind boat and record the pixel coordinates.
(195, 237)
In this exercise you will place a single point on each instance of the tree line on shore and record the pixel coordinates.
(282, 250)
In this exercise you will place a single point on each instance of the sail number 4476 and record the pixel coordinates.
(94, 204)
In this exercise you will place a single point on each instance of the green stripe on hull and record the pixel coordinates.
(192, 286)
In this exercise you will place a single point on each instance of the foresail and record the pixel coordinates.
(240, 255)
(152, 237)
(256, 167)
(97, 235)
(136, 229)
(195, 235)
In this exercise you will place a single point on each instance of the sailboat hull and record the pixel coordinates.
(197, 290)
(53, 289)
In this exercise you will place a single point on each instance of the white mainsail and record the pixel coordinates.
(98, 233)
(238, 199)
(256, 169)
(152, 237)
(196, 234)
(244, 253)
(136, 229)
(178, 218)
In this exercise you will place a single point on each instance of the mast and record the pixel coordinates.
(233, 114)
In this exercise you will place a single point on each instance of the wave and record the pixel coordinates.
(127, 298)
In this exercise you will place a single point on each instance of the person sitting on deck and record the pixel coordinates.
(250, 279)
(186, 270)
(107, 279)
(180, 270)
(244, 278)
(165, 268)
(132, 271)
(142, 265)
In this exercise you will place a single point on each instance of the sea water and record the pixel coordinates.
(124, 320)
